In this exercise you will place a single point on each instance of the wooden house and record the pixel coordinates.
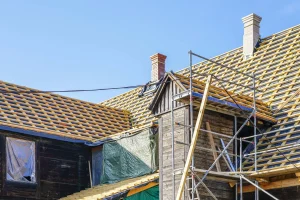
(44, 138)
(57, 127)
(275, 62)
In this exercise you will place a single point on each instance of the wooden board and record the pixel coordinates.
(213, 146)
(194, 139)
(272, 185)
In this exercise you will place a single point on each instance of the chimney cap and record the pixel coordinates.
(158, 57)
(251, 17)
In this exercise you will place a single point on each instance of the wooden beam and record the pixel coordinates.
(263, 181)
(286, 101)
(213, 146)
(194, 139)
(298, 175)
(276, 171)
(273, 185)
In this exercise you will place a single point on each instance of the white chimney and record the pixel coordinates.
(251, 34)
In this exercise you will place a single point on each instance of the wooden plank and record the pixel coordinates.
(213, 146)
(226, 176)
(287, 101)
(214, 176)
(273, 185)
(275, 171)
(194, 139)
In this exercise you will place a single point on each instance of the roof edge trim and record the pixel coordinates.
(41, 134)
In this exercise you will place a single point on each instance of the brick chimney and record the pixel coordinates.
(158, 66)
(251, 34)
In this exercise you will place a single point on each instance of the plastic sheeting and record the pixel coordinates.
(20, 156)
(149, 194)
(130, 157)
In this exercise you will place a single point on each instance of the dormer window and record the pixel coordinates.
(150, 88)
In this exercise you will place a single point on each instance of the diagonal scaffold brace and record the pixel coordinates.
(194, 138)
(224, 150)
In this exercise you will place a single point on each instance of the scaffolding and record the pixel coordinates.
(190, 172)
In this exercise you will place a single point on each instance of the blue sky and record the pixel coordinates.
(59, 45)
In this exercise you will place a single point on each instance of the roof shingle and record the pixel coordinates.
(276, 63)
(26, 108)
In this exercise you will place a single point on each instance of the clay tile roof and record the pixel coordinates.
(276, 63)
(137, 106)
(104, 191)
(58, 115)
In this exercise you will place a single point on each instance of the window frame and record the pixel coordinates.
(17, 182)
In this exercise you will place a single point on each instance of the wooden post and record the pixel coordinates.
(194, 138)
(213, 146)
(90, 172)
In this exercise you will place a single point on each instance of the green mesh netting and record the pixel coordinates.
(149, 194)
(130, 157)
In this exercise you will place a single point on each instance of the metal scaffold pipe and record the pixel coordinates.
(192, 119)
(204, 58)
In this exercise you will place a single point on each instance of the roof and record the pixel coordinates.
(108, 190)
(135, 104)
(276, 63)
(218, 98)
(32, 110)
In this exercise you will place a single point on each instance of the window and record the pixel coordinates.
(20, 160)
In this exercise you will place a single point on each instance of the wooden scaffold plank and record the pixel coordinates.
(194, 139)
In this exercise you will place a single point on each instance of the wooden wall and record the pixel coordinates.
(290, 193)
(165, 150)
(164, 102)
(219, 123)
(61, 169)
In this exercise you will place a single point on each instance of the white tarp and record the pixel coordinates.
(20, 160)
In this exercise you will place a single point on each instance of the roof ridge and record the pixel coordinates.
(179, 71)
(235, 49)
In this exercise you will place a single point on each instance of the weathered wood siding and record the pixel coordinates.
(219, 123)
(165, 150)
(290, 193)
(61, 169)
(164, 103)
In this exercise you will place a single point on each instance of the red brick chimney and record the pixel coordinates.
(158, 66)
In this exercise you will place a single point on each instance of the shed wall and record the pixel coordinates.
(219, 123)
(165, 151)
(61, 169)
